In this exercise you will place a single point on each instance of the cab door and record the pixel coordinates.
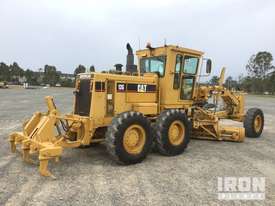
(83, 98)
(185, 75)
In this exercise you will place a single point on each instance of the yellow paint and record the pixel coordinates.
(176, 133)
(134, 139)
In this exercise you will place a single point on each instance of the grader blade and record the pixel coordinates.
(206, 125)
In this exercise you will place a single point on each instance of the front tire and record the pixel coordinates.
(128, 138)
(254, 122)
(172, 131)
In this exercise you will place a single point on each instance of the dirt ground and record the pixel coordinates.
(89, 177)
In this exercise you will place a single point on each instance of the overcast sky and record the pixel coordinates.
(66, 33)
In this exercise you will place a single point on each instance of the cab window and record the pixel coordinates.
(177, 75)
(153, 64)
(190, 65)
(187, 88)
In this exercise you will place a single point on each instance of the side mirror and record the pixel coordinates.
(208, 66)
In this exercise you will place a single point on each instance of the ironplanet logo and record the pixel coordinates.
(241, 188)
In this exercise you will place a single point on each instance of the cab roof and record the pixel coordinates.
(170, 47)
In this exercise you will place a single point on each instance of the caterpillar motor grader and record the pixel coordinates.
(159, 103)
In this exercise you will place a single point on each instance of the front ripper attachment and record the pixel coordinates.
(39, 136)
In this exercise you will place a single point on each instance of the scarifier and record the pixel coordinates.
(160, 103)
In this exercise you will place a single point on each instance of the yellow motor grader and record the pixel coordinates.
(159, 103)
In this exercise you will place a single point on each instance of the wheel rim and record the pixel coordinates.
(258, 121)
(134, 139)
(176, 133)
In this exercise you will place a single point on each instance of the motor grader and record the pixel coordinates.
(160, 103)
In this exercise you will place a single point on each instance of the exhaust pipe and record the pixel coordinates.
(130, 66)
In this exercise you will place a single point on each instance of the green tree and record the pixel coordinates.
(214, 80)
(15, 72)
(246, 83)
(260, 64)
(79, 69)
(51, 75)
(272, 83)
(258, 68)
(67, 82)
(29, 76)
(4, 72)
(230, 83)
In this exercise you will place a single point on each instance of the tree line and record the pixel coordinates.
(49, 75)
(260, 77)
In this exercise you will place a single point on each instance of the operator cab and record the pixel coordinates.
(177, 68)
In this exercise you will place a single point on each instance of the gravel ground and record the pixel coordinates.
(89, 177)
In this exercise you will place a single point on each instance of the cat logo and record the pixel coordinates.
(142, 88)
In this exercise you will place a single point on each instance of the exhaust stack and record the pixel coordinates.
(130, 66)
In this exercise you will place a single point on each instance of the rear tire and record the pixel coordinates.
(172, 131)
(254, 122)
(128, 138)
